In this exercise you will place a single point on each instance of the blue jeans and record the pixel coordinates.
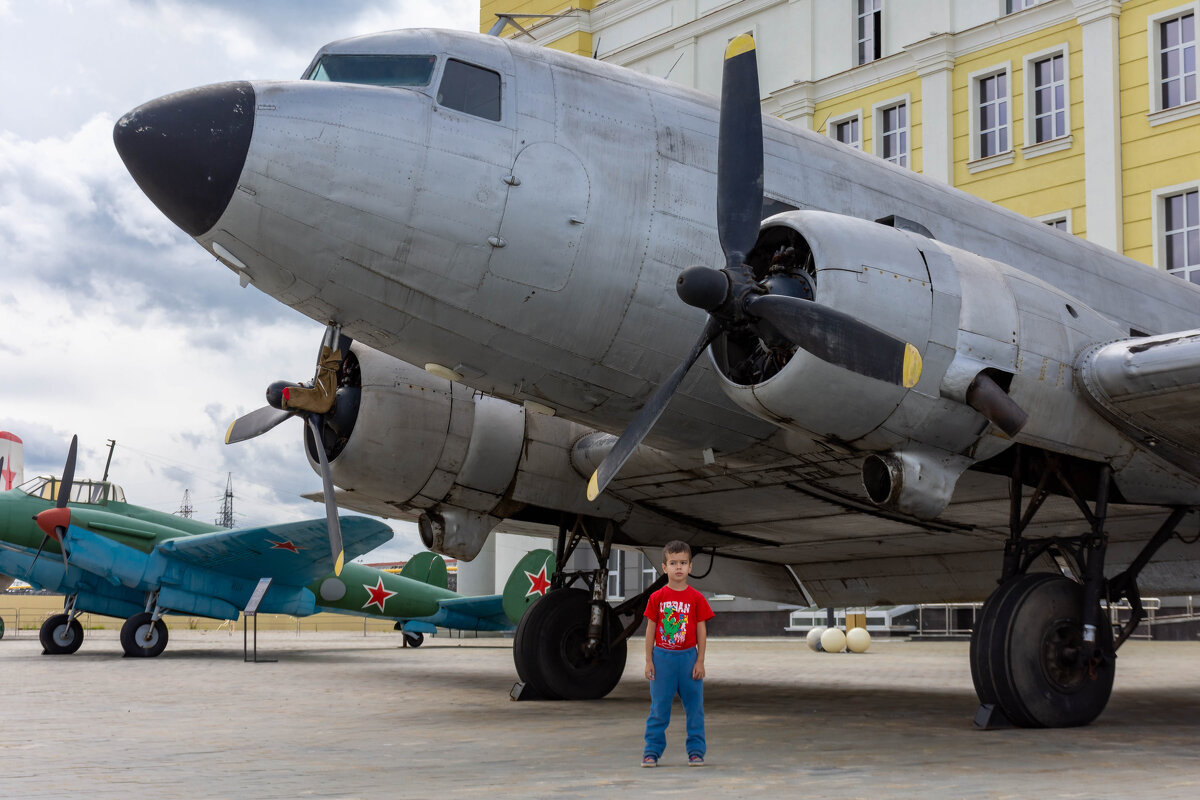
(673, 676)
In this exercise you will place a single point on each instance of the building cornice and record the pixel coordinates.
(1088, 11)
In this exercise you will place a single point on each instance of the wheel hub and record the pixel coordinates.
(62, 635)
(1062, 662)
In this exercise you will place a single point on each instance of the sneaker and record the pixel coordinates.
(649, 761)
(695, 760)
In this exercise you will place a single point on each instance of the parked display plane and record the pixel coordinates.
(905, 391)
(109, 557)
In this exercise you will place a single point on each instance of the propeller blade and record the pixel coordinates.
(335, 527)
(739, 153)
(68, 476)
(632, 436)
(62, 546)
(38, 554)
(255, 423)
(839, 338)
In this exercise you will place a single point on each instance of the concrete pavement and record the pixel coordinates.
(350, 716)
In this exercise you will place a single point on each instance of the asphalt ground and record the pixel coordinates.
(343, 715)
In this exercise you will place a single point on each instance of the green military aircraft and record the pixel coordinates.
(109, 557)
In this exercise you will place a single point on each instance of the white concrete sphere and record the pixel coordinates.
(814, 638)
(833, 641)
(858, 640)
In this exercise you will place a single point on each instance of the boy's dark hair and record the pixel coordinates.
(676, 546)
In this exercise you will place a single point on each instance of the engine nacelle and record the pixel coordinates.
(429, 446)
(995, 342)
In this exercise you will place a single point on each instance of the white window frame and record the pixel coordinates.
(1007, 155)
(854, 116)
(1033, 147)
(616, 577)
(1064, 216)
(1157, 114)
(877, 127)
(876, 39)
(1158, 218)
(1016, 6)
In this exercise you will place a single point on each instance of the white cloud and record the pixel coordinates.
(114, 323)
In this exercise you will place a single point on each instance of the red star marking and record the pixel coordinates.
(537, 583)
(7, 475)
(284, 545)
(378, 595)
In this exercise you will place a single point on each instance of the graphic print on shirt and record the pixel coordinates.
(673, 622)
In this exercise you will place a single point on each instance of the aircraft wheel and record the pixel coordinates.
(981, 636)
(564, 667)
(1033, 655)
(142, 639)
(60, 638)
(526, 643)
(414, 638)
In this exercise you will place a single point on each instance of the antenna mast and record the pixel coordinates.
(112, 445)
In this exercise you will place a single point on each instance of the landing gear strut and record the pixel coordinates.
(571, 644)
(1043, 654)
(61, 634)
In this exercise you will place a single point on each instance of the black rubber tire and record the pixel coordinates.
(981, 636)
(560, 661)
(132, 643)
(1036, 677)
(414, 638)
(526, 642)
(59, 638)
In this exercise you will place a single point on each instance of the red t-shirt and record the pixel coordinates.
(675, 616)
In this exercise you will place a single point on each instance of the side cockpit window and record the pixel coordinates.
(374, 70)
(470, 89)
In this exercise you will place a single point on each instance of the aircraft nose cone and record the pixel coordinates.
(186, 150)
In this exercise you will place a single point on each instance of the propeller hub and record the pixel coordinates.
(277, 394)
(703, 287)
(52, 520)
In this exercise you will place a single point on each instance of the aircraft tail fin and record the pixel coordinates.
(427, 568)
(529, 580)
(12, 461)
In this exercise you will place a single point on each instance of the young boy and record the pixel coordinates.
(675, 640)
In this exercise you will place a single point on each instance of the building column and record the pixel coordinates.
(933, 59)
(478, 576)
(1102, 121)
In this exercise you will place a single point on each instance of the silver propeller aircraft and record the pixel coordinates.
(889, 391)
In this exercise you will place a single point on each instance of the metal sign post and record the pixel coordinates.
(251, 610)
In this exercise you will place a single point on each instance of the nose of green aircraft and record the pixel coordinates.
(186, 150)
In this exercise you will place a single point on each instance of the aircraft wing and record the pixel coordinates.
(297, 552)
(1149, 387)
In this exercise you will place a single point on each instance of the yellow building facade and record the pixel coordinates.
(1112, 153)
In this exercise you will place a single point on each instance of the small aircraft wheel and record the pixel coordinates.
(526, 644)
(566, 668)
(140, 638)
(1034, 660)
(59, 637)
(414, 638)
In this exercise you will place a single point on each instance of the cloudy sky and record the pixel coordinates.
(113, 323)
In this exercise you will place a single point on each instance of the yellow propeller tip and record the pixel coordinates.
(341, 562)
(593, 490)
(912, 366)
(740, 44)
(229, 431)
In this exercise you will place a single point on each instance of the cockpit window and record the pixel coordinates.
(89, 492)
(374, 70)
(471, 89)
